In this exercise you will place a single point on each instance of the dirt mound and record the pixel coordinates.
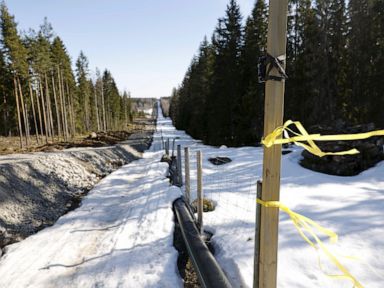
(36, 189)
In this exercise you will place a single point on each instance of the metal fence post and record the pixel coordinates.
(187, 176)
(257, 238)
(200, 190)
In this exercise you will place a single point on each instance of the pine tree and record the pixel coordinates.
(83, 93)
(15, 56)
(62, 63)
(7, 103)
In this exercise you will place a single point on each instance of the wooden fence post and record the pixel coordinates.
(200, 191)
(179, 167)
(167, 147)
(273, 118)
(173, 147)
(187, 176)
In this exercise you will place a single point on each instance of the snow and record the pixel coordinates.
(350, 206)
(121, 236)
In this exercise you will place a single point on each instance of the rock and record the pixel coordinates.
(208, 205)
(93, 135)
(219, 160)
(371, 151)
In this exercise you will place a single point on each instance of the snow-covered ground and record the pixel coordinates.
(121, 236)
(353, 207)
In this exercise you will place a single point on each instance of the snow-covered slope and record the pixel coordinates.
(122, 234)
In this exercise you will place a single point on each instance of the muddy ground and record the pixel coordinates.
(11, 145)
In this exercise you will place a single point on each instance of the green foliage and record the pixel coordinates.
(61, 103)
(15, 53)
(335, 61)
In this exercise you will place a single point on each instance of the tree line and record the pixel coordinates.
(335, 61)
(42, 99)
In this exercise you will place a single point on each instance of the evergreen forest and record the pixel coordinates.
(334, 63)
(42, 98)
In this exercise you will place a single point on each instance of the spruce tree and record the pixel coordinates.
(224, 119)
(252, 101)
(359, 59)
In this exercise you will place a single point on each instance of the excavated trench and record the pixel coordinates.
(36, 189)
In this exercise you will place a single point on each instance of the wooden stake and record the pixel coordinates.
(179, 167)
(167, 147)
(200, 191)
(187, 176)
(274, 107)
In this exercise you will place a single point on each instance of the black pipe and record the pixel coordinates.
(207, 269)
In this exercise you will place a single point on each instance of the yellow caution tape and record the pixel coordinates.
(275, 138)
(304, 224)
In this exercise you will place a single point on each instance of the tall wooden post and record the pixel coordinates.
(274, 107)
(200, 190)
(187, 176)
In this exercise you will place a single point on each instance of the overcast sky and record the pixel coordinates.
(146, 44)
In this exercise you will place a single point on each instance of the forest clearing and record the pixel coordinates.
(262, 168)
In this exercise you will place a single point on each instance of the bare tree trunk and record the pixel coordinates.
(86, 113)
(49, 108)
(34, 113)
(18, 113)
(109, 117)
(72, 111)
(24, 114)
(126, 113)
(103, 104)
(97, 109)
(39, 112)
(62, 103)
(56, 107)
(5, 114)
(70, 115)
(46, 129)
